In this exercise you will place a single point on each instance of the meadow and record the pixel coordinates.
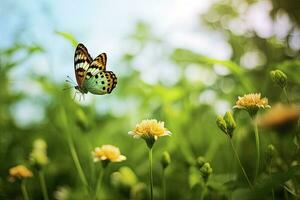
(209, 129)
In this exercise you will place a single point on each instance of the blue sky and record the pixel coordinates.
(104, 26)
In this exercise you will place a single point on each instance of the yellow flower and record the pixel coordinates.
(252, 102)
(109, 153)
(38, 156)
(20, 172)
(280, 116)
(149, 128)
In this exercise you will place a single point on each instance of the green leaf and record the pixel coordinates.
(264, 186)
(68, 37)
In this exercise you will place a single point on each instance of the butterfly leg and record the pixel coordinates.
(74, 95)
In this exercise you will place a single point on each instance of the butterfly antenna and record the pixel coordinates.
(70, 80)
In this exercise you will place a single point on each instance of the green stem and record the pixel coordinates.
(286, 95)
(240, 163)
(43, 185)
(270, 173)
(257, 149)
(203, 192)
(273, 194)
(73, 151)
(286, 194)
(150, 174)
(24, 190)
(76, 162)
(99, 182)
(164, 185)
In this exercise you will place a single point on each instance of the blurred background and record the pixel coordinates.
(180, 61)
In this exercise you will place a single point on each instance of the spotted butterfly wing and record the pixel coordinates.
(98, 80)
(97, 65)
(82, 61)
(101, 83)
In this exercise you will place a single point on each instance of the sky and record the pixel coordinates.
(104, 26)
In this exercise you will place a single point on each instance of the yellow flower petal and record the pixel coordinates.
(108, 152)
(251, 100)
(149, 127)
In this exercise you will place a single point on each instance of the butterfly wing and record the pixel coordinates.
(82, 61)
(102, 83)
(97, 65)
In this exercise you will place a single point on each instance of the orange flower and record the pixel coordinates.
(20, 172)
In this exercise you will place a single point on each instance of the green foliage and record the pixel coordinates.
(72, 129)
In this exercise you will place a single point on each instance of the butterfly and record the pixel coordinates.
(91, 74)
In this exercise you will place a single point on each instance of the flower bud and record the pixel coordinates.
(206, 171)
(138, 192)
(165, 160)
(62, 193)
(38, 156)
(40, 144)
(124, 179)
(279, 78)
(270, 153)
(230, 123)
(221, 124)
(200, 161)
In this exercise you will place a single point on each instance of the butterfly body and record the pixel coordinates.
(91, 74)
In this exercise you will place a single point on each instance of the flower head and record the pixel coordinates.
(150, 130)
(62, 193)
(20, 172)
(38, 155)
(108, 153)
(252, 102)
(280, 116)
